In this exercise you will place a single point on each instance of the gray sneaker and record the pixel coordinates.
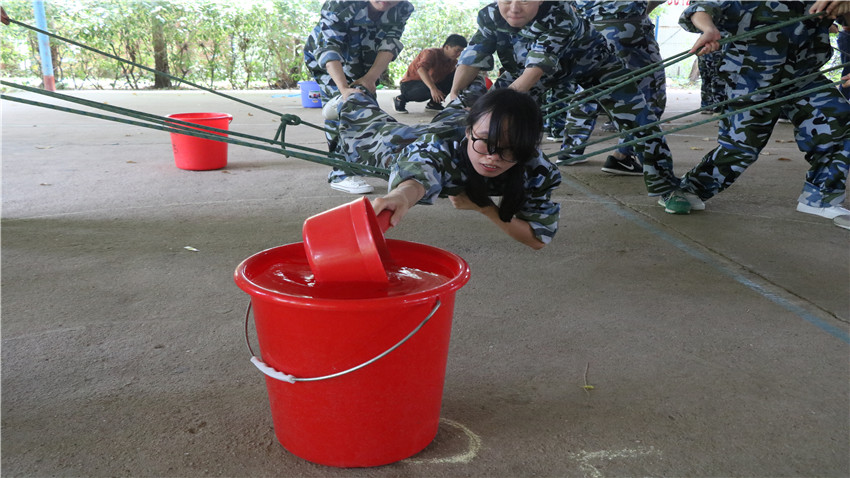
(842, 221)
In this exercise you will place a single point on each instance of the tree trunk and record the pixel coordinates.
(160, 55)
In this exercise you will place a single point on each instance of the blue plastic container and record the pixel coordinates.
(311, 95)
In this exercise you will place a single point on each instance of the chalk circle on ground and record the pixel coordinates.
(454, 443)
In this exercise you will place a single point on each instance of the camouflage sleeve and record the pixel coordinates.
(332, 32)
(555, 33)
(541, 213)
(393, 28)
(427, 161)
(479, 52)
(596, 10)
(713, 8)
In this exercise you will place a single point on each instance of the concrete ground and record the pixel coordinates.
(716, 344)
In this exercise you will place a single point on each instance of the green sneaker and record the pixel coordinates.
(675, 203)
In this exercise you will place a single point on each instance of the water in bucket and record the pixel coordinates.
(355, 370)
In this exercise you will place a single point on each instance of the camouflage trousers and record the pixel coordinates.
(368, 135)
(555, 100)
(625, 105)
(627, 109)
(329, 90)
(821, 130)
(635, 43)
(821, 119)
(712, 88)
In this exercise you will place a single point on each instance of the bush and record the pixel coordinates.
(246, 44)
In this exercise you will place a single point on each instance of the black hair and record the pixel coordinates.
(517, 114)
(455, 40)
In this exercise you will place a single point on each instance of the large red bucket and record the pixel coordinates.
(355, 371)
(200, 154)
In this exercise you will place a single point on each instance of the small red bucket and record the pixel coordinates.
(354, 371)
(346, 243)
(200, 154)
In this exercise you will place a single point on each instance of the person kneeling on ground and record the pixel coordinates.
(430, 75)
(491, 150)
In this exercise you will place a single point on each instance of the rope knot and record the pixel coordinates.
(292, 120)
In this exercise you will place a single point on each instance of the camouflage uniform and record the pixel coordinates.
(567, 49)
(712, 88)
(821, 120)
(628, 28)
(345, 33)
(432, 154)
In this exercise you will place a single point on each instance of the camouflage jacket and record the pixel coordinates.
(556, 35)
(435, 161)
(761, 52)
(597, 10)
(346, 33)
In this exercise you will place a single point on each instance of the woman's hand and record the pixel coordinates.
(517, 228)
(462, 201)
(400, 200)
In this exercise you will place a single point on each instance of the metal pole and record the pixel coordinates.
(44, 46)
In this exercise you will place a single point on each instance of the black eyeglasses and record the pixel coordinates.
(481, 146)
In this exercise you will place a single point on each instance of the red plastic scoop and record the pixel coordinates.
(346, 243)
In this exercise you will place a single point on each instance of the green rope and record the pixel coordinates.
(157, 72)
(698, 123)
(636, 75)
(171, 122)
(682, 115)
(353, 168)
(631, 77)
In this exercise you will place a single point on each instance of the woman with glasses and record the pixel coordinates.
(470, 156)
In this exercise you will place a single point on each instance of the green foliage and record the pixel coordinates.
(245, 44)
(429, 26)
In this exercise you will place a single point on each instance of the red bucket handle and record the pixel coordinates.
(285, 377)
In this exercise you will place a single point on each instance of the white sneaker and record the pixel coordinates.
(330, 110)
(696, 202)
(842, 221)
(353, 185)
(826, 212)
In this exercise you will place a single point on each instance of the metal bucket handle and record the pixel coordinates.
(284, 377)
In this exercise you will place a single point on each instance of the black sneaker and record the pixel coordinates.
(433, 106)
(627, 166)
(398, 105)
